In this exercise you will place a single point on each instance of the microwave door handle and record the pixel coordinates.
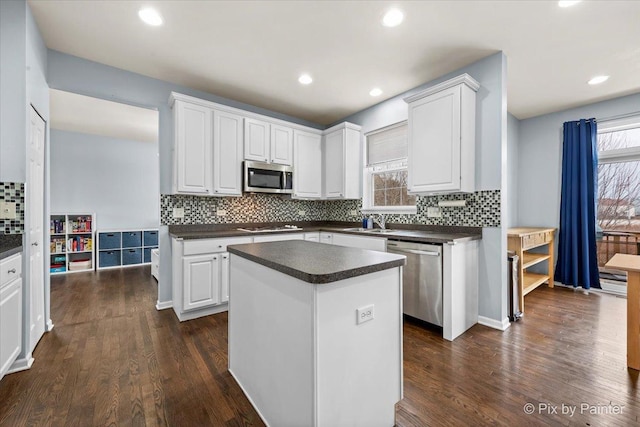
(283, 180)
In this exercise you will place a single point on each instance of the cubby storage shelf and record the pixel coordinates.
(125, 248)
(67, 230)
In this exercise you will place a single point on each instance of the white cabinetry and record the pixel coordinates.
(362, 242)
(201, 275)
(441, 157)
(10, 311)
(193, 145)
(342, 170)
(312, 237)
(267, 142)
(326, 237)
(227, 154)
(307, 175)
(278, 237)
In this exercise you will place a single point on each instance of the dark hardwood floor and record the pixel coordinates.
(113, 359)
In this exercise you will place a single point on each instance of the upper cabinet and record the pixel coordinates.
(307, 172)
(441, 156)
(267, 142)
(227, 154)
(342, 169)
(193, 148)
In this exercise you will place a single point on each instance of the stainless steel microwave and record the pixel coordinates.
(262, 177)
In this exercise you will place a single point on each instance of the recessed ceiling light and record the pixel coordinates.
(598, 79)
(393, 18)
(376, 91)
(305, 79)
(568, 3)
(150, 16)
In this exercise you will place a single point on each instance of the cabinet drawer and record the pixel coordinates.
(132, 256)
(208, 246)
(537, 239)
(10, 269)
(150, 238)
(109, 258)
(109, 240)
(131, 239)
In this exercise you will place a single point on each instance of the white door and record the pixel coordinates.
(224, 277)
(35, 208)
(281, 145)
(193, 148)
(201, 281)
(307, 178)
(256, 140)
(227, 154)
(334, 165)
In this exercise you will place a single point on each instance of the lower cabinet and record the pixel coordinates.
(10, 311)
(124, 248)
(362, 242)
(201, 275)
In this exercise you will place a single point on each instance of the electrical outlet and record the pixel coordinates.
(178, 212)
(434, 212)
(353, 212)
(302, 213)
(221, 212)
(7, 210)
(364, 314)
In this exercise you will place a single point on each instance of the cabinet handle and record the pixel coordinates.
(219, 246)
(225, 257)
(34, 244)
(215, 257)
(13, 270)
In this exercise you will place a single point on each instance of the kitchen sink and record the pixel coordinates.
(381, 230)
(355, 229)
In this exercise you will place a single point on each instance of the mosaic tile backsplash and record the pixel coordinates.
(482, 210)
(13, 192)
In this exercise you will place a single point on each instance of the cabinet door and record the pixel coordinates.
(278, 237)
(362, 242)
(307, 174)
(334, 165)
(256, 140)
(224, 277)
(10, 324)
(227, 154)
(193, 148)
(326, 238)
(312, 237)
(201, 281)
(434, 142)
(281, 145)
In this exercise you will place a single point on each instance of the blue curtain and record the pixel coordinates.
(577, 254)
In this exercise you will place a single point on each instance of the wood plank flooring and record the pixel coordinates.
(114, 360)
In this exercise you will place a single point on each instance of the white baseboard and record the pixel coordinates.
(21, 364)
(493, 323)
(49, 325)
(194, 314)
(264, 420)
(163, 305)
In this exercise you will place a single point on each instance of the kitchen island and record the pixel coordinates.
(315, 332)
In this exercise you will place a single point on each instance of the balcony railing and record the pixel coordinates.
(616, 242)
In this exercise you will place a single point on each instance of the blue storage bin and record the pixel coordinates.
(109, 258)
(132, 256)
(147, 254)
(151, 238)
(109, 240)
(131, 239)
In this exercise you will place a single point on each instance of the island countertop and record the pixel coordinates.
(317, 262)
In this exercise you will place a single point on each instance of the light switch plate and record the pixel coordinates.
(364, 314)
(302, 213)
(7, 210)
(221, 212)
(353, 212)
(434, 212)
(178, 212)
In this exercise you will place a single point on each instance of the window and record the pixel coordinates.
(385, 171)
(618, 193)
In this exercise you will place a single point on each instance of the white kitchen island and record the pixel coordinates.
(315, 333)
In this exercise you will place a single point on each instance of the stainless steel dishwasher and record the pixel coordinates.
(422, 279)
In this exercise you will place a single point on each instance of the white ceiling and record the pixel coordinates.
(79, 113)
(254, 51)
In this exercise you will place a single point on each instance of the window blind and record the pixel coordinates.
(387, 145)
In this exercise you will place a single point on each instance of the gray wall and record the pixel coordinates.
(116, 179)
(491, 114)
(540, 158)
(513, 134)
(77, 75)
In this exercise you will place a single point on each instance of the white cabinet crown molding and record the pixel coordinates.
(175, 96)
(343, 125)
(461, 79)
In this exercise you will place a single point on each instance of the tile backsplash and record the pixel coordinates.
(13, 192)
(482, 210)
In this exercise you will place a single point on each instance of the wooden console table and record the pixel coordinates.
(631, 264)
(520, 240)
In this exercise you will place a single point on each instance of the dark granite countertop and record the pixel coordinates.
(403, 232)
(10, 244)
(316, 262)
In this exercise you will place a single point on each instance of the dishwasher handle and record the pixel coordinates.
(417, 252)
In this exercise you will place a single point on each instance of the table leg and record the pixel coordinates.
(633, 320)
(551, 264)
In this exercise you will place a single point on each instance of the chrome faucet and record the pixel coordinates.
(380, 221)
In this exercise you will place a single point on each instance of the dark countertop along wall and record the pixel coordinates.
(10, 244)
